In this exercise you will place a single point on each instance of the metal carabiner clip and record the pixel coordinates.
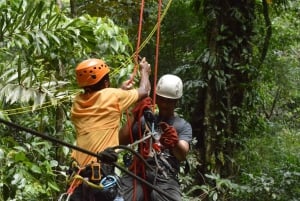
(67, 195)
(108, 182)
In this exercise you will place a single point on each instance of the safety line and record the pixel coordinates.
(137, 51)
(48, 104)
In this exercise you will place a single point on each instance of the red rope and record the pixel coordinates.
(136, 58)
(137, 51)
(141, 168)
(156, 53)
(74, 184)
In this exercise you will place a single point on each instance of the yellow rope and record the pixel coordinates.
(147, 39)
(26, 109)
(22, 110)
(100, 186)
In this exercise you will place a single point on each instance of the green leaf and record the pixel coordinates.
(53, 186)
(18, 91)
(215, 196)
(36, 169)
(24, 39)
(1, 154)
(20, 157)
(114, 44)
(54, 37)
(43, 37)
(39, 99)
(53, 163)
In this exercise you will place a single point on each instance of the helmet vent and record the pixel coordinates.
(90, 72)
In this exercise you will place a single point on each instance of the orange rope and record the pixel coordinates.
(75, 183)
(137, 51)
(139, 31)
(136, 56)
(142, 170)
(133, 75)
(156, 53)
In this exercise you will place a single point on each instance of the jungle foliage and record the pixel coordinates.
(40, 45)
(240, 63)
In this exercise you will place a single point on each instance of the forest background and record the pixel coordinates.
(239, 60)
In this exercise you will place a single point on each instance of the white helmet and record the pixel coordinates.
(169, 86)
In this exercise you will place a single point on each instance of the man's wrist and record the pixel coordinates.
(145, 73)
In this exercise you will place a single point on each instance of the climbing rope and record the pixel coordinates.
(133, 75)
(157, 52)
(137, 51)
(144, 148)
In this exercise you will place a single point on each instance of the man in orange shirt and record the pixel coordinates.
(96, 115)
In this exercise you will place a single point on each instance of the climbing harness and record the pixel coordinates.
(106, 183)
(149, 147)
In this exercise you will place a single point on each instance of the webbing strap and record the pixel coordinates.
(80, 178)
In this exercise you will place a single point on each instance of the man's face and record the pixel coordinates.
(165, 105)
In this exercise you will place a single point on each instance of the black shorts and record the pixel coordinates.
(86, 193)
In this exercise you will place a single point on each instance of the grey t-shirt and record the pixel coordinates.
(184, 131)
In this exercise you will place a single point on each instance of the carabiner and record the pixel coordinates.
(67, 195)
(108, 182)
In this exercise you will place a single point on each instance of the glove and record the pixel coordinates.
(108, 155)
(138, 110)
(169, 137)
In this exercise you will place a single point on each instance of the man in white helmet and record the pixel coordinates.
(176, 134)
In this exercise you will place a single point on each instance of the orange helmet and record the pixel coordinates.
(90, 71)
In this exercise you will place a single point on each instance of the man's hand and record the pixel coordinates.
(142, 105)
(145, 66)
(108, 155)
(169, 137)
(145, 86)
(128, 84)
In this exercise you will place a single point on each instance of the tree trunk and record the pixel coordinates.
(73, 8)
(228, 75)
